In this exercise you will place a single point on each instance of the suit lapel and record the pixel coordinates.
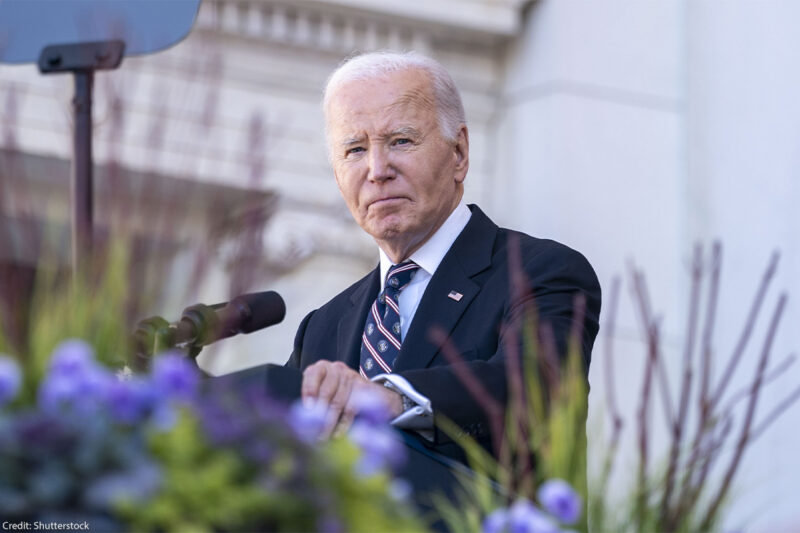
(436, 310)
(351, 325)
(470, 254)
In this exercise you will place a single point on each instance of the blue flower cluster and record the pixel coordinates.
(283, 442)
(85, 444)
(561, 504)
(381, 448)
(245, 419)
(82, 446)
(77, 385)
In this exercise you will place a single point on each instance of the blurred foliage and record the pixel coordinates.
(92, 305)
(541, 434)
(544, 438)
(252, 472)
(203, 490)
(302, 487)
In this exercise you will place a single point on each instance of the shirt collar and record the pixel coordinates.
(430, 254)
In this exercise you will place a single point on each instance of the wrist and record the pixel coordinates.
(399, 402)
(396, 405)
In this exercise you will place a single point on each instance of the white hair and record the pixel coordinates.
(449, 109)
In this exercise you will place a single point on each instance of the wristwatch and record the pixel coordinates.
(408, 403)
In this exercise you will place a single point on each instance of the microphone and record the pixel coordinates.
(203, 324)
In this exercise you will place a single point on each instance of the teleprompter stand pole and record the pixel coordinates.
(82, 59)
(82, 173)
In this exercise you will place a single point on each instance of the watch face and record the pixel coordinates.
(407, 403)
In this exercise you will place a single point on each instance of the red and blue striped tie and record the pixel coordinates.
(380, 342)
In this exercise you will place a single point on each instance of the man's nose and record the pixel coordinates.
(380, 166)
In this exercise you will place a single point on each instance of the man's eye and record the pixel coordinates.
(402, 141)
(354, 150)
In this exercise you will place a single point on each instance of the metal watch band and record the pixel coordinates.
(408, 403)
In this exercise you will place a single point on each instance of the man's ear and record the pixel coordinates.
(461, 153)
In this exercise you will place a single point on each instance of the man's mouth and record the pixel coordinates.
(387, 201)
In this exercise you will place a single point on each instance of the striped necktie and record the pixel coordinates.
(380, 342)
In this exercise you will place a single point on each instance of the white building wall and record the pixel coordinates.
(634, 130)
(743, 146)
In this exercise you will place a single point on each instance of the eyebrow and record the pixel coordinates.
(406, 131)
(349, 141)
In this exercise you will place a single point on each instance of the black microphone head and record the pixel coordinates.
(265, 309)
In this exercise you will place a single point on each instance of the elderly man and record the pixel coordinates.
(399, 146)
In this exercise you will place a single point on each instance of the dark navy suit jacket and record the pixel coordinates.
(547, 277)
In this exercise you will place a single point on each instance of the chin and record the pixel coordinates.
(386, 233)
(386, 227)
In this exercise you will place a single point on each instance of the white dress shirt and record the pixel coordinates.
(428, 257)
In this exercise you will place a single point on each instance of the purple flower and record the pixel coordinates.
(72, 358)
(560, 500)
(496, 522)
(175, 376)
(524, 517)
(258, 451)
(308, 422)
(164, 417)
(220, 426)
(74, 380)
(380, 447)
(130, 401)
(10, 379)
(81, 391)
(135, 484)
(330, 524)
(56, 393)
(35, 431)
(370, 405)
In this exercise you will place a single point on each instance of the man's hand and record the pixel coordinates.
(334, 384)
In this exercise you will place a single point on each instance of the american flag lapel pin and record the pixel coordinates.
(455, 296)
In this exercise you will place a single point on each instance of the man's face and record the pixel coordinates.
(397, 173)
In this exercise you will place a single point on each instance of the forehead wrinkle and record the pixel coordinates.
(417, 97)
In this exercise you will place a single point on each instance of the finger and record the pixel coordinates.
(345, 421)
(328, 386)
(313, 377)
(354, 403)
(340, 398)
